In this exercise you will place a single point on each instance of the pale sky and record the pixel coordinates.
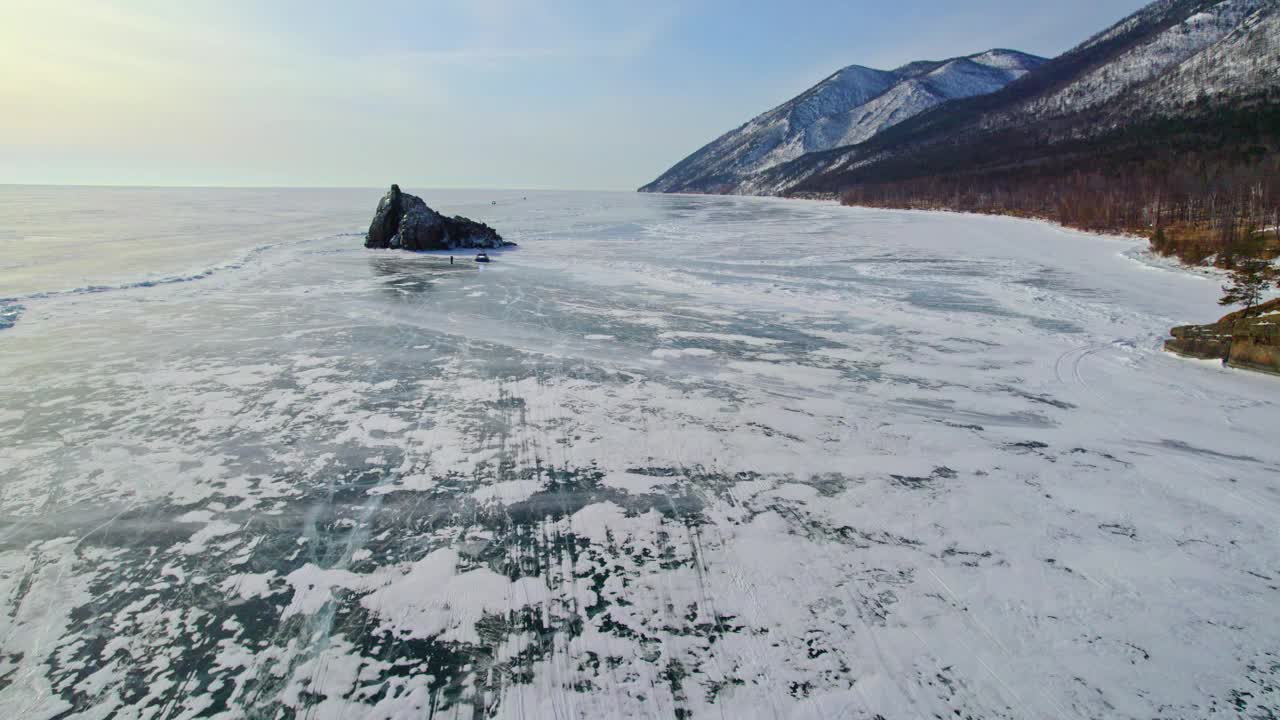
(449, 93)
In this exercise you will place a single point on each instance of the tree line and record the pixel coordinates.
(1200, 189)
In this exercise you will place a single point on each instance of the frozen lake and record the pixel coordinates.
(690, 457)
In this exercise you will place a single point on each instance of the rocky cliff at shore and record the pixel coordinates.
(404, 221)
(1245, 339)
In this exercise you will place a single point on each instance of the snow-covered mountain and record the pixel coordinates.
(852, 105)
(1176, 33)
(1173, 59)
(1245, 61)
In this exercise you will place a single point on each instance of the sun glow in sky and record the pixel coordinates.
(463, 93)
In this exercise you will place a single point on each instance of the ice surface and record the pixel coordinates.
(673, 456)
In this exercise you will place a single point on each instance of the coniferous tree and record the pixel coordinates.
(1249, 280)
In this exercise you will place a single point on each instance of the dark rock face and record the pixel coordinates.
(1248, 340)
(386, 220)
(404, 221)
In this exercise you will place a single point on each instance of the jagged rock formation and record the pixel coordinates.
(1249, 340)
(404, 221)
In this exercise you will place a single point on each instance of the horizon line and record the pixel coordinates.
(133, 186)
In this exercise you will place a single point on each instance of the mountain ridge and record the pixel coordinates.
(1166, 124)
(1118, 77)
(850, 105)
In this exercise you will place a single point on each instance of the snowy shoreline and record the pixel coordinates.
(1140, 252)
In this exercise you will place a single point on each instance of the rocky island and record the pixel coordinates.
(403, 221)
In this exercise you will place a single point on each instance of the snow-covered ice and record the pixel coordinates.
(673, 456)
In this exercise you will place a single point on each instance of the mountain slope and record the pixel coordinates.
(850, 106)
(1245, 61)
(1166, 125)
(1174, 58)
